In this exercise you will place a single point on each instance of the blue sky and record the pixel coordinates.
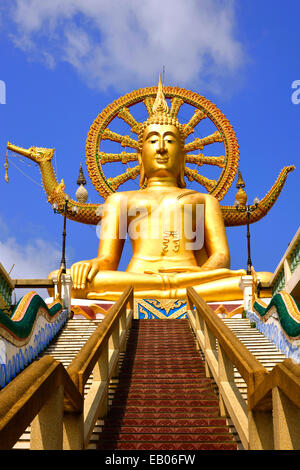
(63, 62)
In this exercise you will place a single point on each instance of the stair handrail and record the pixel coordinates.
(99, 357)
(274, 407)
(252, 371)
(51, 398)
(84, 362)
(223, 352)
(285, 375)
(23, 399)
(271, 419)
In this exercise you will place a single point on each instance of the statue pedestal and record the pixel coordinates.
(246, 285)
(152, 309)
(171, 309)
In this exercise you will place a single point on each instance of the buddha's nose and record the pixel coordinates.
(161, 149)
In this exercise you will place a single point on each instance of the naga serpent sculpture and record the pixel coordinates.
(204, 109)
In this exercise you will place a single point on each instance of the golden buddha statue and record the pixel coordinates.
(178, 235)
(163, 221)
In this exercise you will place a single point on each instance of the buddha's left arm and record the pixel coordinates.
(215, 239)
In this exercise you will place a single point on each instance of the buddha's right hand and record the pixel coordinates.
(83, 272)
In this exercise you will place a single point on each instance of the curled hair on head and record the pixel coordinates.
(160, 116)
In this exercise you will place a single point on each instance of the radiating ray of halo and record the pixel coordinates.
(124, 140)
(175, 105)
(149, 102)
(189, 127)
(123, 157)
(116, 181)
(194, 175)
(198, 144)
(125, 114)
(201, 159)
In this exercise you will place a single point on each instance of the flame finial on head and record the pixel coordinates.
(160, 105)
(160, 116)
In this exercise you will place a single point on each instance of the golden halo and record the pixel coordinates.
(204, 108)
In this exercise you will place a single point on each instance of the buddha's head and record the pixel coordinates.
(161, 144)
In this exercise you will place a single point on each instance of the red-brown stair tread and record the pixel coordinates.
(163, 400)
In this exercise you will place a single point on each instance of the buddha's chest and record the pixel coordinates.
(169, 221)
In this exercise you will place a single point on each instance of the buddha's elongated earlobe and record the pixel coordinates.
(181, 182)
(180, 179)
(142, 178)
(142, 171)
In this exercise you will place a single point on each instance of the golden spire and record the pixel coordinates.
(240, 182)
(81, 179)
(160, 105)
(241, 196)
(81, 193)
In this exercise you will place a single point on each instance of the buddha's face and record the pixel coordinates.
(162, 153)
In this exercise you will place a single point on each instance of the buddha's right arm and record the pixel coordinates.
(112, 237)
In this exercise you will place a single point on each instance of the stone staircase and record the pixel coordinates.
(163, 400)
(64, 348)
(159, 354)
(258, 344)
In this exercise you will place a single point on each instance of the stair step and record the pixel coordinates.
(141, 413)
(162, 397)
(176, 395)
(135, 402)
(163, 386)
(167, 446)
(161, 422)
(167, 437)
(258, 344)
(166, 380)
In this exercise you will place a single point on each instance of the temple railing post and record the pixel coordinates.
(210, 344)
(47, 426)
(260, 426)
(73, 431)
(286, 419)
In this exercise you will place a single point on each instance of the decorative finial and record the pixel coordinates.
(81, 193)
(241, 196)
(240, 182)
(160, 105)
(81, 179)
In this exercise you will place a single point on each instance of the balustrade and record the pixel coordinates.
(51, 398)
(269, 417)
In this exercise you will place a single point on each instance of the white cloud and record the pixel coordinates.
(126, 43)
(34, 260)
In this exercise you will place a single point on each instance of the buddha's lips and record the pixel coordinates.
(162, 159)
